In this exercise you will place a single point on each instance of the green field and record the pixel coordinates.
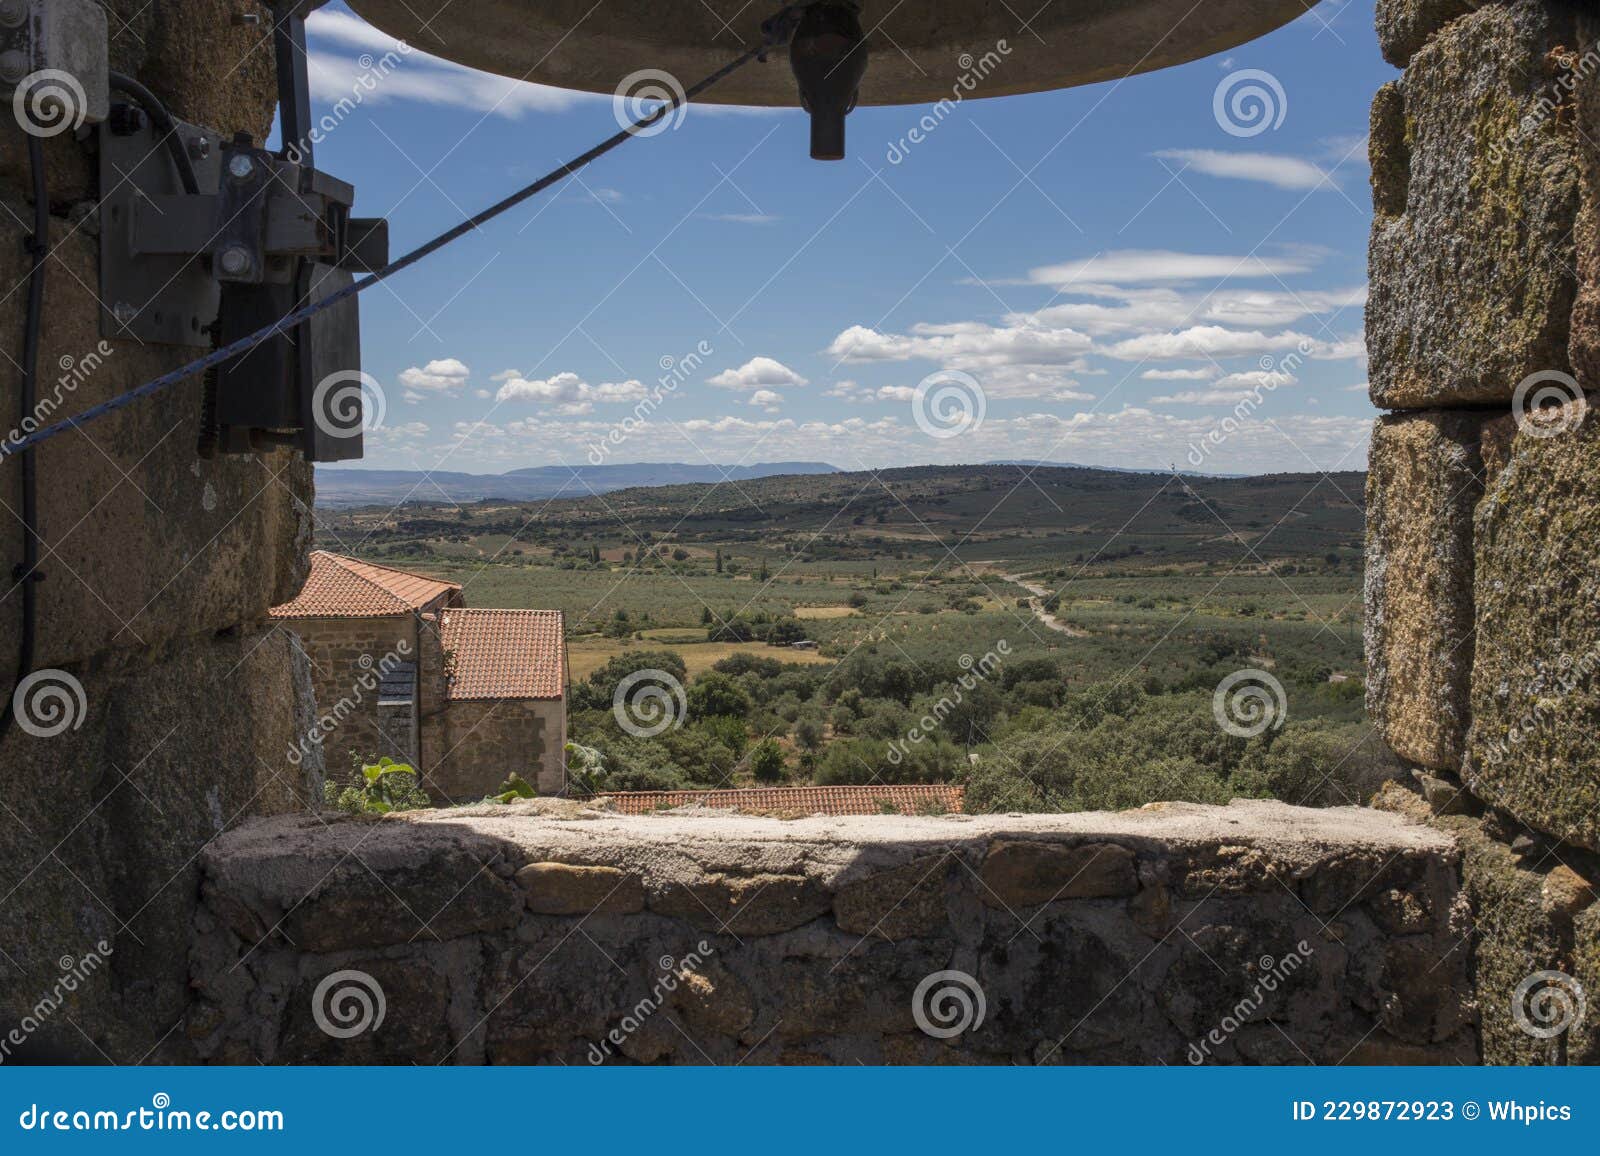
(1150, 590)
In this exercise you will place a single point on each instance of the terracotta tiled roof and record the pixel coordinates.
(904, 799)
(504, 653)
(341, 587)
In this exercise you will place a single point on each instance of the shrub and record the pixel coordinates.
(766, 762)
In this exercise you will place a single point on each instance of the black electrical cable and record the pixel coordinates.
(775, 32)
(164, 126)
(27, 573)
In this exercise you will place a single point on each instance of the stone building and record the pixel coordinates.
(400, 667)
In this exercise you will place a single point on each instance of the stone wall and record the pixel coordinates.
(345, 655)
(544, 933)
(158, 570)
(471, 745)
(1483, 609)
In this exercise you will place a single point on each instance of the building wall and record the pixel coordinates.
(1254, 933)
(347, 656)
(471, 746)
(158, 573)
(1483, 537)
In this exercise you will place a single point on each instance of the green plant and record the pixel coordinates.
(386, 786)
(766, 762)
(515, 787)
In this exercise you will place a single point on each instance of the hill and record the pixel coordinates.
(355, 487)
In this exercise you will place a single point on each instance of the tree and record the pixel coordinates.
(719, 559)
(766, 762)
(717, 694)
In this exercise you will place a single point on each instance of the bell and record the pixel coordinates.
(916, 51)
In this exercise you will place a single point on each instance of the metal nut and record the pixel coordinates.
(236, 261)
(13, 13)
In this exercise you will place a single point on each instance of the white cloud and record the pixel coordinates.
(1266, 307)
(1179, 374)
(442, 375)
(766, 399)
(1141, 266)
(743, 218)
(1231, 389)
(566, 393)
(757, 373)
(965, 345)
(411, 75)
(1282, 172)
(1215, 341)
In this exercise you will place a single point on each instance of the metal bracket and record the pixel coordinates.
(59, 47)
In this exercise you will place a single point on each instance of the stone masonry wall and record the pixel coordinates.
(545, 933)
(470, 746)
(1483, 550)
(158, 570)
(344, 654)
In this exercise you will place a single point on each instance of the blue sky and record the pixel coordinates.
(1101, 272)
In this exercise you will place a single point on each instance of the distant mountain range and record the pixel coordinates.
(357, 487)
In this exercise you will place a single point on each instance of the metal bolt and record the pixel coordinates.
(124, 313)
(246, 19)
(13, 13)
(241, 166)
(236, 261)
(199, 148)
(13, 66)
